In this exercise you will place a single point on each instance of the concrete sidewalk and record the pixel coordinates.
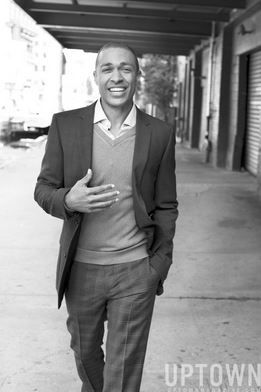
(209, 314)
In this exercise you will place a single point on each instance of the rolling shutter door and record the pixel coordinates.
(253, 131)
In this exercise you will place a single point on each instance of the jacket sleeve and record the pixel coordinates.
(49, 190)
(166, 212)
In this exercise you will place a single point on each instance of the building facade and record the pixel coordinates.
(220, 93)
(30, 69)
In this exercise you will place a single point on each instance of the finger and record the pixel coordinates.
(86, 178)
(103, 204)
(101, 188)
(104, 197)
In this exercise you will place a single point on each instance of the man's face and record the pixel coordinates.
(116, 76)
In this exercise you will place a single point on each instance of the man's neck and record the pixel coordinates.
(116, 115)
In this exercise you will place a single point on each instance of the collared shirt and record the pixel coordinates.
(101, 119)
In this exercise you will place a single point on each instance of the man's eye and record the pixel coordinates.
(106, 70)
(126, 69)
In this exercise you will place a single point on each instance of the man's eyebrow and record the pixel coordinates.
(106, 65)
(123, 63)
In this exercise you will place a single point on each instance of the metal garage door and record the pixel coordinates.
(253, 131)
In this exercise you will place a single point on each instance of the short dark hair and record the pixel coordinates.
(122, 45)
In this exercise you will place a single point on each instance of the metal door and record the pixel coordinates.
(253, 131)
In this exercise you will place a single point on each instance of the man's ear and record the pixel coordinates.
(95, 76)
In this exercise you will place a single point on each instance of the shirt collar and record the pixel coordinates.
(100, 116)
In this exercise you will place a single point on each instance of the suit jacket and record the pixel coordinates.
(68, 156)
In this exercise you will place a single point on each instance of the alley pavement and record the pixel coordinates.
(209, 313)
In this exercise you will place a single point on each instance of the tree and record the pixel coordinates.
(158, 81)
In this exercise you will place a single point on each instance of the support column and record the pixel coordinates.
(196, 101)
(225, 90)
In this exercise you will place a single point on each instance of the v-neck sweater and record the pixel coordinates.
(111, 236)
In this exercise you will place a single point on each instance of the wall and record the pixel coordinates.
(243, 44)
(234, 42)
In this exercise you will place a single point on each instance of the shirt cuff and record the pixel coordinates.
(68, 210)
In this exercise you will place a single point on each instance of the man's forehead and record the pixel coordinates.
(113, 55)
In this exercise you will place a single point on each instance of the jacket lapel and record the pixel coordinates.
(85, 138)
(142, 146)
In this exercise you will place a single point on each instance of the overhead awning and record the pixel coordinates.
(149, 26)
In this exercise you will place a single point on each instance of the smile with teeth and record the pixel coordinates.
(117, 89)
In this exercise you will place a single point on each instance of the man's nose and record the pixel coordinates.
(116, 76)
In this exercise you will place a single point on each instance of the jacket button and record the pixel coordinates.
(65, 255)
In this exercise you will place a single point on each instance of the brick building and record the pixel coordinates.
(220, 93)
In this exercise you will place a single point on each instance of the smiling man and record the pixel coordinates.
(109, 173)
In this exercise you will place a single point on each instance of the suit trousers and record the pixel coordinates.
(124, 295)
